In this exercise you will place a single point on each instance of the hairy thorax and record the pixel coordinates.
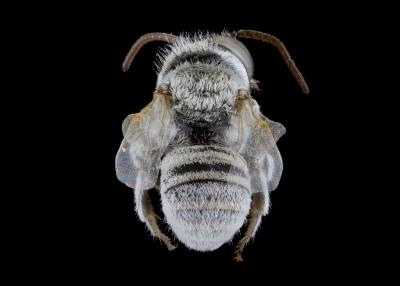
(203, 92)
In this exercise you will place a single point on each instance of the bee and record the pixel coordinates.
(203, 141)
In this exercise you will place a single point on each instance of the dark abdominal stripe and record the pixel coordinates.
(198, 182)
(204, 168)
(198, 167)
(213, 148)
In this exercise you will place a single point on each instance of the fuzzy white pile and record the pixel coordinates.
(204, 208)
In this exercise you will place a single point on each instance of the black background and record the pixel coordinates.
(91, 230)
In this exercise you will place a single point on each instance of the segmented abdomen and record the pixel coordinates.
(205, 193)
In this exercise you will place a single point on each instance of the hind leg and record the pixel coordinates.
(145, 210)
(259, 207)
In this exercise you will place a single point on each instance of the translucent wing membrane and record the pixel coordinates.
(254, 136)
(146, 136)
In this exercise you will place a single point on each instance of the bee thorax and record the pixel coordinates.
(205, 193)
(203, 92)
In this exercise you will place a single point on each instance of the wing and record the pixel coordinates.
(254, 136)
(146, 136)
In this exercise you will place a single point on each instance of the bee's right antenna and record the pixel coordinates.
(146, 38)
(256, 35)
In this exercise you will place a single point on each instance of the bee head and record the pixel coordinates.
(212, 67)
(217, 57)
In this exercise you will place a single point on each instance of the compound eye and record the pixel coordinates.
(239, 50)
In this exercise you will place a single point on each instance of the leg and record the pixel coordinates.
(146, 213)
(259, 206)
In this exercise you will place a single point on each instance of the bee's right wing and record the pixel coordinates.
(146, 137)
(254, 136)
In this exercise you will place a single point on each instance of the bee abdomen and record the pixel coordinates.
(205, 195)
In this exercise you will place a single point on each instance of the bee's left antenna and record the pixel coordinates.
(146, 38)
(274, 41)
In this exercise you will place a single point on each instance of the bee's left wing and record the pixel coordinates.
(146, 137)
(254, 136)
